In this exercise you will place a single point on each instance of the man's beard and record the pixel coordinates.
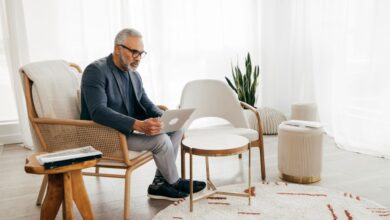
(126, 65)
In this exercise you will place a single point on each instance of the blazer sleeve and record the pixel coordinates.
(93, 86)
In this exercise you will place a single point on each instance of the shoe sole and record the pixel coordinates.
(165, 198)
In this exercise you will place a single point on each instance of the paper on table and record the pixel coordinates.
(300, 123)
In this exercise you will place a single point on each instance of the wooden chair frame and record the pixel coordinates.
(120, 162)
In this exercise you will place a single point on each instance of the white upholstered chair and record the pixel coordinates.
(51, 90)
(214, 98)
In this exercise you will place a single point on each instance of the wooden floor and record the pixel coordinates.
(359, 174)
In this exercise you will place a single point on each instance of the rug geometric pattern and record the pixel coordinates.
(279, 200)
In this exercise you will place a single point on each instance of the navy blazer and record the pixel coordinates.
(102, 98)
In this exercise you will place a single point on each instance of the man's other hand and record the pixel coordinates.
(150, 126)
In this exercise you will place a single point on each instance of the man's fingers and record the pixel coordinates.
(152, 123)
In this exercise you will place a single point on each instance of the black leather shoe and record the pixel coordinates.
(166, 192)
(183, 185)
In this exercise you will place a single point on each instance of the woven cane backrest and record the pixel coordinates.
(101, 138)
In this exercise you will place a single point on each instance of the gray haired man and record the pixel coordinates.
(112, 94)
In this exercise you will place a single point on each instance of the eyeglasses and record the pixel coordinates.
(134, 52)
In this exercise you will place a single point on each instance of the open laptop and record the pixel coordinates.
(174, 119)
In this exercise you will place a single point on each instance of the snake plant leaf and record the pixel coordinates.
(239, 76)
(231, 84)
(245, 83)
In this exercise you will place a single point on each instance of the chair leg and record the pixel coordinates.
(42, 191)
(262, 162)
(127, 193)
(183, 163)
(97, 170)
(240, 156)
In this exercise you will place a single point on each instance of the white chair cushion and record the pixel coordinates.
(54, 89)
(251, 134)
(132, 155)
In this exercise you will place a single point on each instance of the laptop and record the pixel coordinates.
(175, 119)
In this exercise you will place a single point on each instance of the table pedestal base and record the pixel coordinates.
(211, 186)
(65, 188)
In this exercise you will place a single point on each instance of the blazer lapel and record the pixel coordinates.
(119, 82)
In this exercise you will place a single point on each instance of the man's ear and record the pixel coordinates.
(116, 49)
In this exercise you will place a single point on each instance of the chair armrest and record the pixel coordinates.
(162, 107)
(258, 119)
(60, 134)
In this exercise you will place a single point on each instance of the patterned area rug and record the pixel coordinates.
(279, 200)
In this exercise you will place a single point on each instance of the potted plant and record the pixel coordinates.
(245, 85)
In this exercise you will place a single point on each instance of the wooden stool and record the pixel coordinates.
(65, 185)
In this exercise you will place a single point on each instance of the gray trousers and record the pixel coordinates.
(164, 148)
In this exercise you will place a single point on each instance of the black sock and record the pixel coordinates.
(176, 183)
(158, 180)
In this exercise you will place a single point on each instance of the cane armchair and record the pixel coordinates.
(63, 130)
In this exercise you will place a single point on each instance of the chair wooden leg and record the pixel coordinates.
(262, 162)
(97, 170)
(127, 194)
(240, 156)
(42, 191)
(183, 163)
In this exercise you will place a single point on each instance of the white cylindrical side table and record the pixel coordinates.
(304, 111)
(300, 153)
(216, 145)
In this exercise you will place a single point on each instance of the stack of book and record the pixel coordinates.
(67, 157)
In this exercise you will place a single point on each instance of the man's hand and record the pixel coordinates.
(150, 126)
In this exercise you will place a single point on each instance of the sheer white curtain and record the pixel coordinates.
(17, 54)
(335, 53)
(190, 40)
(332, 52)
(185, 40)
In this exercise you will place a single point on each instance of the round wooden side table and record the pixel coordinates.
(65, 185)
(215, 146)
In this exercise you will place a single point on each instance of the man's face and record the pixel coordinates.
(129, 53)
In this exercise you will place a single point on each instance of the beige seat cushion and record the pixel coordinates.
(251, 134)
(132, 155)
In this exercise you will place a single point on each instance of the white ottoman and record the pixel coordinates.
(299, 153)
(270, 119)
(304, 111)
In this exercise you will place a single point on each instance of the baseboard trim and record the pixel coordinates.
(10, 132)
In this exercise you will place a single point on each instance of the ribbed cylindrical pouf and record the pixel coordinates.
(299, 153)
(304, 111)
(270, 119)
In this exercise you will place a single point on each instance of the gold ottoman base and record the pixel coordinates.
(300, 179)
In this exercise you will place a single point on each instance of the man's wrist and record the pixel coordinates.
(137, 125)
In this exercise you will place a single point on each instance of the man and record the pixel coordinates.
(112, 94)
